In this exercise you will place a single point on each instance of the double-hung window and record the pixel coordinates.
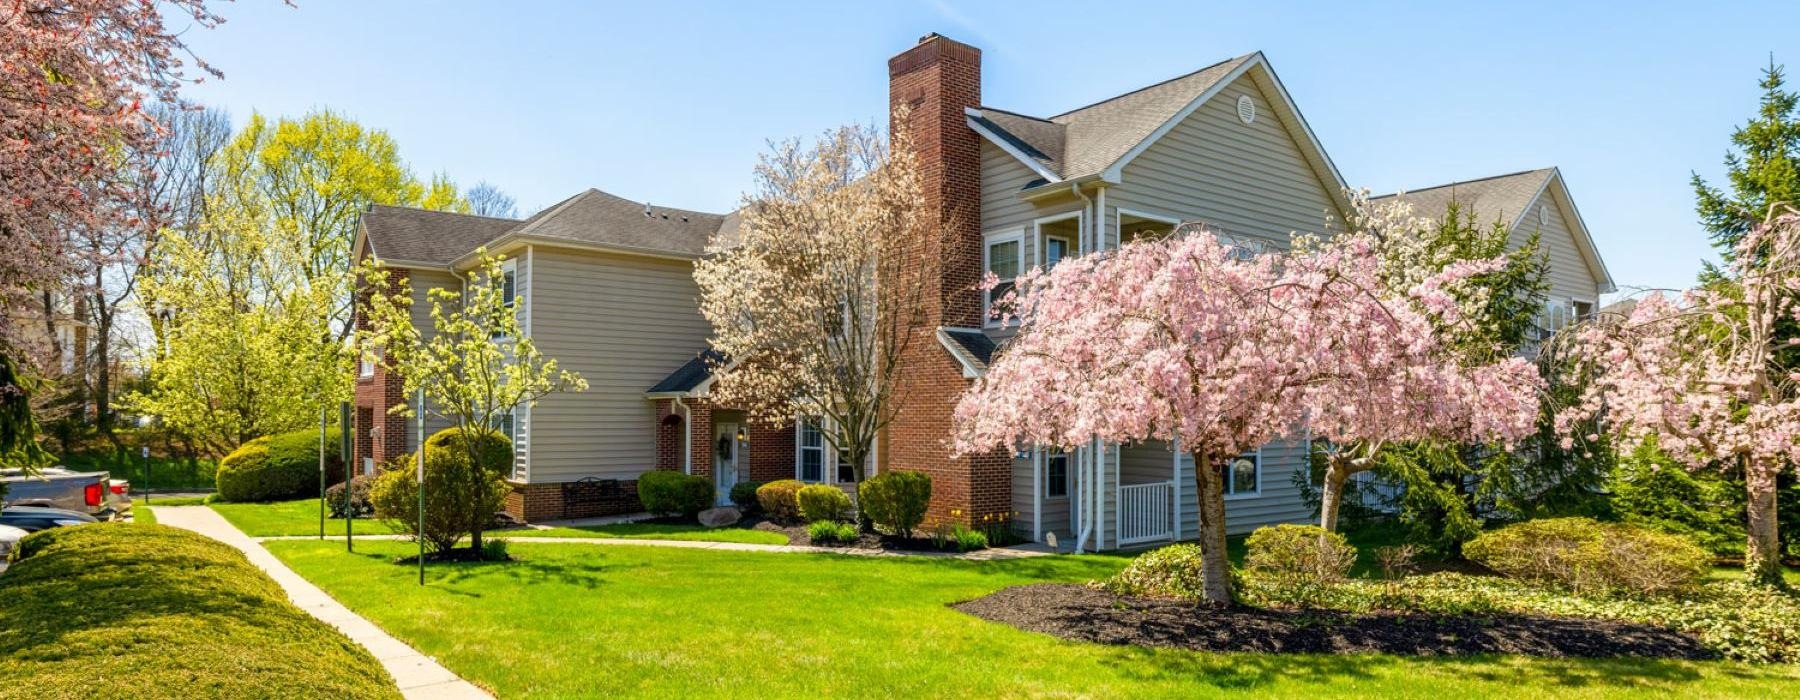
(1003, 255)
(1056, 473)
(509, 271)
(1243, 475)
(809, 451)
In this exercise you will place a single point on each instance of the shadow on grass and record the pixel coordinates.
(1251, 671)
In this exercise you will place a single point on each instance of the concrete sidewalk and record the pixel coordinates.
(418, 675)
(1014, 552)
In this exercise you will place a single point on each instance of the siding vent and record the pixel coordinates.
(1543, 216)
(1246, 109)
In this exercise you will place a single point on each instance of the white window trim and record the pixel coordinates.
(1015, 235)
(1044, 465)
(366, 366)
(825, 474)
(1260, 470)
(1038, 235)
(510, 266)
(1122, 212)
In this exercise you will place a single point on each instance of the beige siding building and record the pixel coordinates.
(605, 285)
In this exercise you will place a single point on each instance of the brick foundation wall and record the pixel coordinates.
(544, 501)
(935, 81)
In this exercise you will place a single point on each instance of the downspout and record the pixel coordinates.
(1086, 516)
(687, 436)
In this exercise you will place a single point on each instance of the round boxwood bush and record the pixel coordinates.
(743, 494)
(780, 500)
(674, 493)
(359, 498)
(1297, 564)
(821, 502)
(895, 501)
(278, 467)
(1167, 572)
(1587, 556)
(461, 494)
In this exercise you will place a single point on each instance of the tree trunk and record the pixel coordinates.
(1209, 492)
(1762, 553)
(1337, 470)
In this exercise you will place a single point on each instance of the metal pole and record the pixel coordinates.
(144, 452)
(321, 472)
(344, 454)
(419, 419)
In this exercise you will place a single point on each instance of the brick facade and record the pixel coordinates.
(544, 501)
(934, 81)
(374, 395)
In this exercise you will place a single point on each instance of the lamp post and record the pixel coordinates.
(322, 472)
(344, 457)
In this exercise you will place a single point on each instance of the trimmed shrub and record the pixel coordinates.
(278, 467)
(895, 501)
(674, 493)
(743, 495)
(821, 502)
(831, 532)
(203, 622)
(1298, 563)
(780, 500)
(359, 498)
(461, 495)
(1167, 572)
(1586, 556)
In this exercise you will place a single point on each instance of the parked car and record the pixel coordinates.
(57, 487)
(34, 518)
(9, 540)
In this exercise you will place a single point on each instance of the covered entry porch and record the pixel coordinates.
(1101, 496)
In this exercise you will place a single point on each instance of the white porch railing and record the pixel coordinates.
(1145, 512)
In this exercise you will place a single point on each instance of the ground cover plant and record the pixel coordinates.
(119, 609)
(831, 626)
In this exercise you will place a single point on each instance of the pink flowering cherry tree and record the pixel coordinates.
(1185, 340)
(1699, 374)
(1383, 375)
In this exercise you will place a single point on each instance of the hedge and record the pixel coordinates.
(138, 610)
(278, 467)
(674, 493)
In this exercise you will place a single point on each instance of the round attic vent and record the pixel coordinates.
(1543, 217)
(1246, 109)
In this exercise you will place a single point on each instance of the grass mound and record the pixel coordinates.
(127, 609)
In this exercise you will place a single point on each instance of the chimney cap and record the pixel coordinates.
(929, 37)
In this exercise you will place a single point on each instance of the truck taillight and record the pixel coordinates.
(118, 488)
(94, 494)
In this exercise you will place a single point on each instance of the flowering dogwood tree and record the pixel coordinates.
(1697, 373)
(1189, 341)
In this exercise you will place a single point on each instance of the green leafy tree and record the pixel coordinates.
(474, 365)
(252, 297)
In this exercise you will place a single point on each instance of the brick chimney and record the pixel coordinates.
(934, 81)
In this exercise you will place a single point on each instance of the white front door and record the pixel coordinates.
(727, 456)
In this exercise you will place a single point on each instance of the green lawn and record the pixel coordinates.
(654, 532)
(584, 620)
(301, 517)
(283, 518)
(165, 473)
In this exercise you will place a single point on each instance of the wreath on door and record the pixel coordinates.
(724, 447)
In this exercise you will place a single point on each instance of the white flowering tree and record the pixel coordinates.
(810, 302)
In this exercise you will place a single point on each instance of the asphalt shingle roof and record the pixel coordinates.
(976, 343)
(1500, 198)
(419, 235)
(690, 374)
(1088, 140)
(439, 238)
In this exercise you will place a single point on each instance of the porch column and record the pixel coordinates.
(1175, 481)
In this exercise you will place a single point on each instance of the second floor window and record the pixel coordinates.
(508, 290)
(1003, 256)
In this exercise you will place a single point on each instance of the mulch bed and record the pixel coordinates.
(1085, 614)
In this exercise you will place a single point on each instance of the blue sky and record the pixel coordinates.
(671, 101)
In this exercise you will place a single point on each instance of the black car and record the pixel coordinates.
(33, 518)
